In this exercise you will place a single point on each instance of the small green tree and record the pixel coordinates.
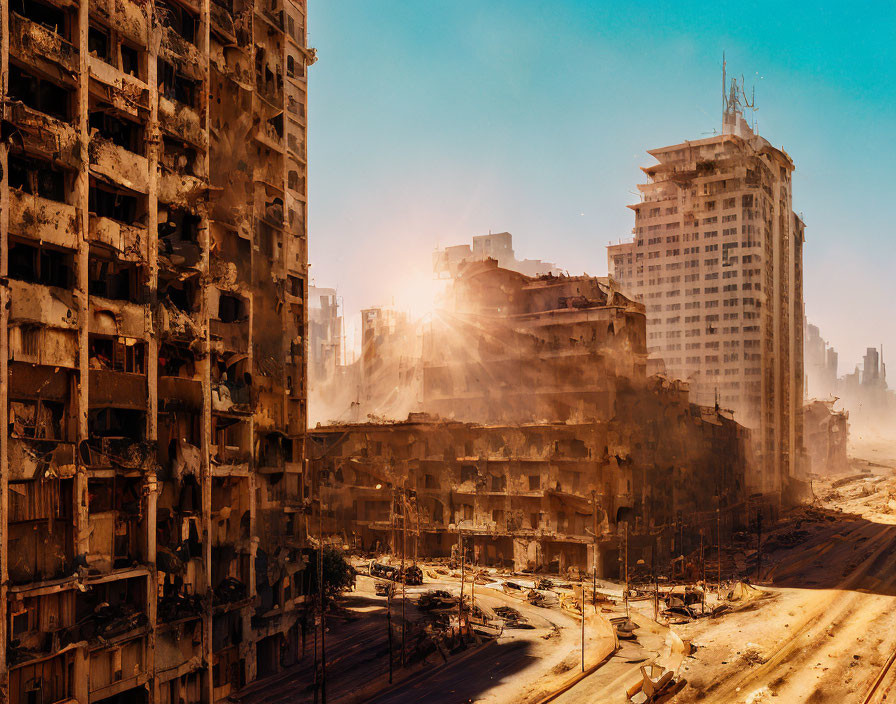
(338, 574)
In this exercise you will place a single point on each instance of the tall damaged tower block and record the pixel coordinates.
(717, 259)
(153, 270)
(540, 441)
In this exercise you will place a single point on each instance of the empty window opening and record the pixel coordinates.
(231, 309)
(99, 44)
(37, 178)
(124, 133)
(179, 225)
(38, 94)
(116, 423)
(120, 354)
(120, 281)
(178, 361)
(40, 265)
(183, 294)
(178, 18)
(112, 204)
(130, 60)
(176, 86)
(47, 16)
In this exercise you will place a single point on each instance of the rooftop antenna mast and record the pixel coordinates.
(724, 86)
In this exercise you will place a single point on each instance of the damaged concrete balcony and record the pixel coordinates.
(38, 133)
(221, 21)
(127, 242)
(181, 120)
(116, 433)
(181, 189)
(41, 95)
(234, 63)
(177, 50)
(178, 660)
(40, 286)
(42, 219)
(33, 42)
(271, 13)
(118, 165)
(125, 92)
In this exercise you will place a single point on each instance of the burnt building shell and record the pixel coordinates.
(537, 428)
(152, 346)
(531, 496)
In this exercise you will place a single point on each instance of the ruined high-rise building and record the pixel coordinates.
(325, 335)
(717, 261)
(152, 347)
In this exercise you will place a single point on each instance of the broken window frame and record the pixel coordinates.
(41, 95)
(44, 415)
(38, 177)
(128, 354)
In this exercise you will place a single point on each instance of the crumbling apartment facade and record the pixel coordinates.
(827, 437)
(541, 431)
(152, 346)
(717, 260)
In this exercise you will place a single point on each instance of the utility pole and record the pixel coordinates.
(320, 577)
(404, 579)
(758, 543)
(583, 625)
(460, 602)
(417, 531)
(703, 570)
(594, 551)
(719, 539)
(389, 626)
(626, 569)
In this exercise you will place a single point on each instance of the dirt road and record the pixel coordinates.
(825, 627)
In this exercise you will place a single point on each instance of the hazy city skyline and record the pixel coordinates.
(537, 119)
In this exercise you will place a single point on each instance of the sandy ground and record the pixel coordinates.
(824, 625)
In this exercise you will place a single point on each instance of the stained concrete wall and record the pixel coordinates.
(152, 220)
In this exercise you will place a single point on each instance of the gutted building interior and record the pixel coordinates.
(153, 270)
(538, 438)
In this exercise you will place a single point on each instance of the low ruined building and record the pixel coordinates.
(536, 435)
(826, 434)
(152, 325)
(536, 496)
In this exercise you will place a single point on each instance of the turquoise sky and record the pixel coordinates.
(434, 120)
